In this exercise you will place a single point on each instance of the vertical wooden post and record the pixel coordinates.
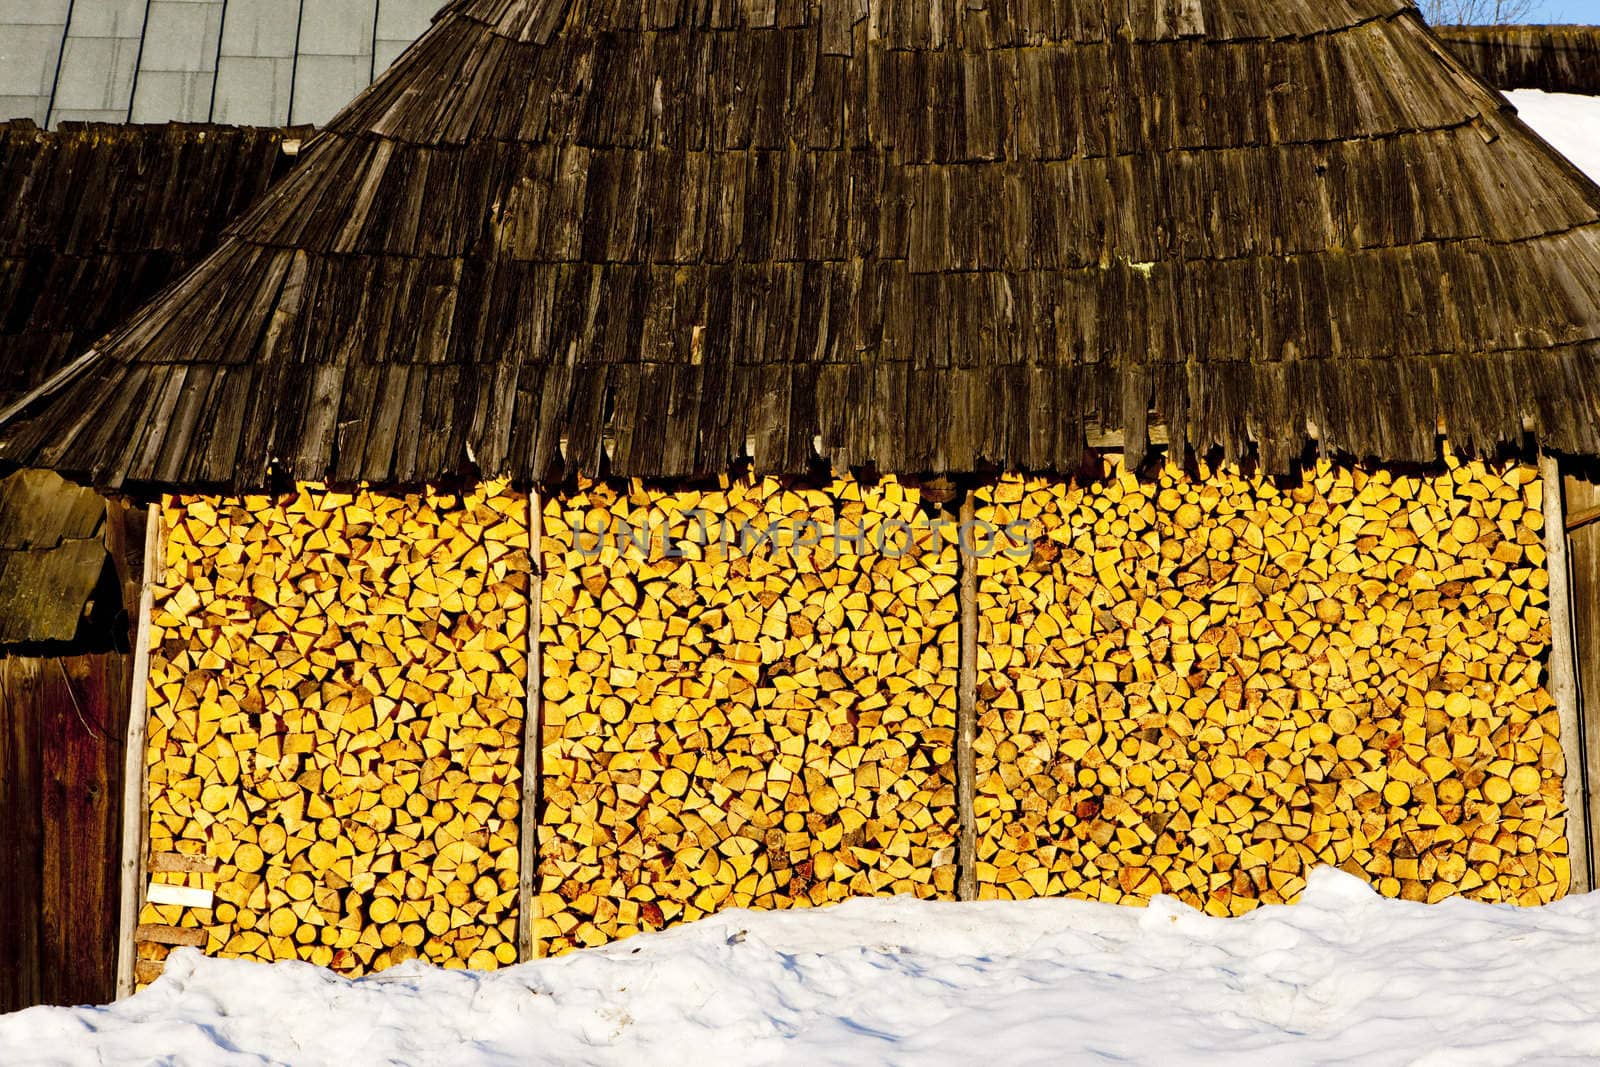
(134, 800)
(532, 741)
(967, 705)
(1563, 675)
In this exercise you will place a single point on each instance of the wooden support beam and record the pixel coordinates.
(532, 741)
(135, 825)
(967, 707)
(1563, 676)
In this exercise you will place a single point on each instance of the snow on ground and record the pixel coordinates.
(1342, 977)
(1571, 123)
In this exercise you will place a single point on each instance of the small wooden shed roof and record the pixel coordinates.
(52, 553)
(931, 235)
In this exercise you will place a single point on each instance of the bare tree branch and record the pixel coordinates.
(1475, 12)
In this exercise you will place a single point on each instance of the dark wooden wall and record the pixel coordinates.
(62, 720)
(1582, 498)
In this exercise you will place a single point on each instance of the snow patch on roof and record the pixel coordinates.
(1571, 124)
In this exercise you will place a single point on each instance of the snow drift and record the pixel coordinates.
(1345, 975)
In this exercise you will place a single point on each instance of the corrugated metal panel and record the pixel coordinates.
(335, 64)
(253, 91)
(256, 64)
(178, 65)
(98, 61)
(324, 84)
(31, 32)
(243, 62)
(338, 28)
(399, 23)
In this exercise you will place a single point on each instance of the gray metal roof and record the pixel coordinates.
(243, 62)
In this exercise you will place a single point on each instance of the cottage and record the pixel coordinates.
(643, 461)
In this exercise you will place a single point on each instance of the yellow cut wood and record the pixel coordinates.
(340, 666)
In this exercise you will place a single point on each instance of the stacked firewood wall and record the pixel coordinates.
(1205, 687)
(336, 706)
(1200, 684)
(735, 718)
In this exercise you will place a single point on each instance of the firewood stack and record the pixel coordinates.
(1201, 686)
(722, 729)
(336, 705)
(1206, 687)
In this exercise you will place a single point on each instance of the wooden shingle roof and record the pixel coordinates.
(98, 218)
(931, 235)
(1556, 59)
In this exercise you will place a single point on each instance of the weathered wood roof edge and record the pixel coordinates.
(1555, 59)
(618, 258)
(52, 553)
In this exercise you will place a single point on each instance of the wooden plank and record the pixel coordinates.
(1563, 676)
(967, 708)
(1578, 520)
(159, 934)
(134, 823)
(1116, 440)
(176, 862)
(532, 741)
(1583, 564)
(79, 717)
(124, 538)
(182, 895)
(1557, 59)
(20, 833)
(59, 789)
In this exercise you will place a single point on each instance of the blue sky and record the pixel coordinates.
(1586, 11)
